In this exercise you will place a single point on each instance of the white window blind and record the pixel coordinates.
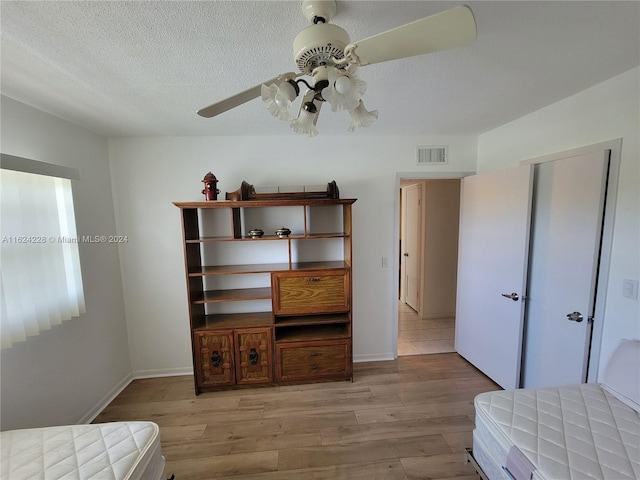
(40, 266)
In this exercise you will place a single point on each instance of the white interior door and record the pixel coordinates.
(412, 225)
(495, 214)
(565, 246)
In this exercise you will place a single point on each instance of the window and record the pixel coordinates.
(40, 266)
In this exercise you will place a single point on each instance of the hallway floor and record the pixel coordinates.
(417, 336)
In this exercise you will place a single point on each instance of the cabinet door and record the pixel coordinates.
(254, 357)
(214, 358)
(314, 360)
(305, 292)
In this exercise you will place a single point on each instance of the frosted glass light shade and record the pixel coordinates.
(278, 98)
(285, 95)
(360, 117)
(305, 123)
(345, 89)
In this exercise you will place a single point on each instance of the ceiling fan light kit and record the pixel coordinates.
(325, 52)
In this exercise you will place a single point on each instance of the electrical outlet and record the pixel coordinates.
(630, 288)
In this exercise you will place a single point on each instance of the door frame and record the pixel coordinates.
(606, 243)
(395, 265)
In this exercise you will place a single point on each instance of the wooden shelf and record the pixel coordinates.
(319, 265)
(199, 271)
(306, 320)
(265, 203)
(308, 236)
(312, 298)
(234, 295)
(313, 333)
(237, 269)
(234, 320)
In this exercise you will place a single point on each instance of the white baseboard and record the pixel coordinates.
(124, 383)
(115, 391)
(376, 357)
(162, 372)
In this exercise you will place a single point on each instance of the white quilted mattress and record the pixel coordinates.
(109, 451)
(568, 432)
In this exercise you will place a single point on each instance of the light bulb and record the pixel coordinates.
(343, 85)
(344, 90)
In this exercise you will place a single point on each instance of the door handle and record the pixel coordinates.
(406, 254)
(513, 296)
(575, 317)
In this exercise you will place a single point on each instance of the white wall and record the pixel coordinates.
(65, 374)
(604, 112)
(150, 173)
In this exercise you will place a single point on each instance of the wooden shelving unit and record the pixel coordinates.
(269, 309)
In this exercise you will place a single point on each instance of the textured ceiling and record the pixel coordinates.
(144, 68)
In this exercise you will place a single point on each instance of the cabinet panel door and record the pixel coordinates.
(308, 361)
(214, 358)
(310, 292)
(254, 357)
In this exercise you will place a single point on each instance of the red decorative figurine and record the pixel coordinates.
(210, 187)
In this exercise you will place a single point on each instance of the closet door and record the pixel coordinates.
(569, 199)
(495, 217)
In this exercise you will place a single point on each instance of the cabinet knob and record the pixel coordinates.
(313, 367)
(313, 279)
(314, 354)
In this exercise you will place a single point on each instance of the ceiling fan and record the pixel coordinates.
(324, 52)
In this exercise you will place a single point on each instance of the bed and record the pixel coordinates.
(585, 431)
(108, 451)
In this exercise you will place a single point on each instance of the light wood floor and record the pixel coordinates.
(406, 419)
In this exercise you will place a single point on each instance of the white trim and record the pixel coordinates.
(615, 146)
(373, 357)
(91, 415)
(396, 240)
(169, 372)
(110, 397)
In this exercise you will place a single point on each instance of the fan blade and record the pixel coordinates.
(240, 98)
(452, 28)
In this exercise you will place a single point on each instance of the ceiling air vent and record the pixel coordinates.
(432, 155)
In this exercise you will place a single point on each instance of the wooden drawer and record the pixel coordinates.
(214, 358)
(314, 360)
(305, 292)
(254, 355)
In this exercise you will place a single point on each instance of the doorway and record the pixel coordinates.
(427, 244)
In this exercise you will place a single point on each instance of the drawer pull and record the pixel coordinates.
(253, 356)
(314, 354)
(313, 279)
(216, 359)
(313, 367)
